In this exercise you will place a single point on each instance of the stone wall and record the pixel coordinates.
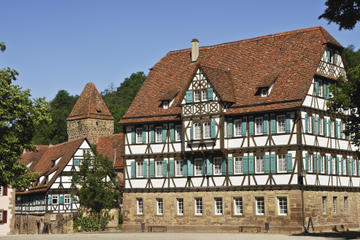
(228, 222)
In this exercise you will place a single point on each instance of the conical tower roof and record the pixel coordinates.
(90, 105)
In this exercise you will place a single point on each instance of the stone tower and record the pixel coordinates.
(90, 117)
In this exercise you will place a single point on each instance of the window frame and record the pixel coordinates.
(67, 199)
(159, 172)
(258, 128)
(197, 93)
(218, 206)
(238, 128)
(178, 133)
(281, 204)
(198, 206)
(264, 92)
(197, 130)
(260, 208)
(55, 197)
(204, 96)
(346, 205)
(241, 165)
(241, 206)
(206, 130)
(334, 205)
(262, 166)
(323, 205)
(139, 206)
(217, 166)
(179, 164)
(198, 167)
(284, 164)
(280, 128)
(159, 207)
(165, 104)
(138, 133)
(158, 134)
(140, 169)
(180, 206)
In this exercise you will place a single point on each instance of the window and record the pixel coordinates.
(321, 127)
(198, 167)
(334, 204)
(55, 199)
(320, 88)
(139, 206)
(1, 216)
(207, 129)
(238, 162)
(324, 126)
(217, 166)
(315, 127)
(178, 133)
(345, 205)
(238, 128)
(67, 199)
(159, 206)
(260, 164)
(260, 206)
(197, 96)
(138, 135)
(281, 125)
(282, 205)
(238, 206)
(323, 205)
(264, 92)
(180, 206)
(198, 206)
(1, 192)
(158, 135)
(178, 167)
(204, 96)
(218, 206)
(165, 104)
(311, 162)
(197, 131)
(159, 169)
(140, 169)
(282, 163)
(259, 125)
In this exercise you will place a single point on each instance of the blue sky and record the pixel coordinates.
(65, 44)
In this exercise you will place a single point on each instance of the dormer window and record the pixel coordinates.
(165, 104)
(264, 92)
(332, 56)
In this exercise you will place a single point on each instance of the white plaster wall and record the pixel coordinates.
(7, 202)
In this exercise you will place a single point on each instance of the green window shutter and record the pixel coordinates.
(342, 166)
(337, 165)
(210, 94)
(267, 164)
(328, 57)
(306, 162)
(319, 163)
(326, 165)
(325, 89)
(165, 169)
(189, 97)
(336, 129)
(230, 128)
(185, 168)
(266, 124)
(152, 168)
(315, 163)
(328, 90)
(316, 88)
(164, 132)
(172, 134)
(331, 164)
(133, 140)
(272, 124)
(289, 162)
(329, 125)
(341, 129)
(335, 58)
(213, 128)
(325, 127)
(272, 163)
(251, 164)
(204, 167)
(246, 164)
(348, 166)
(358, 166)
(172, 168)
(287, 123)
(313, 124)
(152, 135)
(191, 131)
(50, 200)
(133, 173)
(61, 199)
(208, 167)
(243, 127)
(223, 166)
(71, 199)
(230, 166)
(144, 135)
(190, 168)
(76, 162)
(145, 168)
(352, 167)
(318, 125)
(251, 126)
(306, 123)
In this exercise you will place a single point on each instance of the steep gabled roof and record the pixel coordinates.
(292, 57)
(113, 148)
(90, 105)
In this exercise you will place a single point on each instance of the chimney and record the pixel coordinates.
(194, 50)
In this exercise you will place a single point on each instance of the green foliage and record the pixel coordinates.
(119, 101)
(20, 116)
(2, 46)
(345, 13)
(90, 222)
(60, 108)
(346, 95)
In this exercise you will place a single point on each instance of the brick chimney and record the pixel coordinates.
(194, 50)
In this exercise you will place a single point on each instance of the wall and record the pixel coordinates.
(7, 203)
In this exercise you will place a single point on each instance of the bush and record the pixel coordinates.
(90, 222)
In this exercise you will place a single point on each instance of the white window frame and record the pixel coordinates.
(334, 205)
(238, 205)
(159, 168)
(204, 96)
(238, 165)
(311, 162)
(259, 126)
(159, 206)
(281, 124)
(140, 169)
(67, 199)
(217, 166)
(238, 128)
(165, 104)
(197, 130)
(197, 96)
(139, 206)
(281, 163)
(180, 206)
(321, 130)
(321, 92)
(264, 92)
(179, 171)
(178, 133)
(55, 199)
(282, 206)
(218, 203)
(198, 206)
(207, 130)
(323, 205)
(260, 163)
(260, 206)
(138, 135)
(346, 204)
(158, 134)
(198, 168)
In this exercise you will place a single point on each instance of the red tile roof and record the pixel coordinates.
(292, 57)
(90, 105)
(113, 148)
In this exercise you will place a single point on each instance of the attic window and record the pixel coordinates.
(264, 92)
(165, 104)
(98, 110)
(55, 162)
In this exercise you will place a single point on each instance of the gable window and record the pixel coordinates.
(139, 135)
(281, 125)
(158, 135)
(259, 126)
(238, 206)
(264, 92)
(159, 206)
(217, 166)
(178, 133)
(238, 162)
(260, 164)
(178, 167)
(140, 169)
(260, 206)
(159, 169)
(218, 206)
(180, 206)
(198, 167)
(238, 128)
(197, 96)
(207, 129)
(139, 206)
(198, 206)
(197, 131)
(55, 199)
(204, 96)
(165, 104)
(282, 163)
(282, 205)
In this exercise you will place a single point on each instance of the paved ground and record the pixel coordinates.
(180, 236)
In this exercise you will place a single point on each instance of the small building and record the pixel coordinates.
(7, 208)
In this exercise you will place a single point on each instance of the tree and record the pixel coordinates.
(345, 13)
(97, 188)
(19, 117)
(346, 95)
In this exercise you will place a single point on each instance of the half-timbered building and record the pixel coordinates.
(237, 136)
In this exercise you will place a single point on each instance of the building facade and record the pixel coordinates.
(237, 137)
(7, 204)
